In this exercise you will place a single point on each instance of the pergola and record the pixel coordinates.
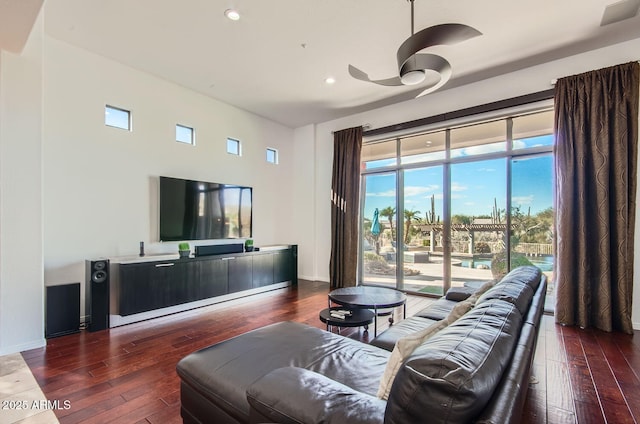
(432, 229)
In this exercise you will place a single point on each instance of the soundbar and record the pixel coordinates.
(219, 249)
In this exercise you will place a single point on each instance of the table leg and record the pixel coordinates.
(404, 307)
(375, 322)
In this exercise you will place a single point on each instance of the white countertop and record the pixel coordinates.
(130, 259)
(147, 258)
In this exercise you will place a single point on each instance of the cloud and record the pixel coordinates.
(419, 190)
(458, 187)
(479, 150)
(522, 200)
(519, 144)
(388, 193)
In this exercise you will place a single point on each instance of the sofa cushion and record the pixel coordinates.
(454, 373)
(438, 310)
(388, 338)
(222, 372)
(407, 344)
(530, 275)
(297, 395)
(512, 291)
(403, 348)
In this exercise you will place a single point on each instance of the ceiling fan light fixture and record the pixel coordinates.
(232, 14)
(413, 77)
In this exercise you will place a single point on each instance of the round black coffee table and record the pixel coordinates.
(358, 318)
(368, 297)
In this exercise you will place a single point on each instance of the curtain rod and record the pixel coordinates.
(365, 127)
(474, 110)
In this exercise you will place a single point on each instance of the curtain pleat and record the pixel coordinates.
(345, 193)
(596, 127)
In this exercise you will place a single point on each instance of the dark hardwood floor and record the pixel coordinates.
(127, 374)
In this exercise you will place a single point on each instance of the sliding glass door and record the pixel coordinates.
(423, 263)
(478, 220)
(379, 229)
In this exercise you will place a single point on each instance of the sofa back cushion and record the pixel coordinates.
(517, 287)
(528, 274)
(451, 376)
(403, 349)
(406, 345)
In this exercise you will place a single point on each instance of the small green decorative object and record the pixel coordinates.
(184, 250)
(248, 245)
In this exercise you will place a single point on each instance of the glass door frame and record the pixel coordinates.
(509, 154)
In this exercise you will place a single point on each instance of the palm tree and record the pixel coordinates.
(409, 217)
(389, 212)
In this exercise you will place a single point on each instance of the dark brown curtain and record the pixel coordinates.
(596, 125)
(345, 193)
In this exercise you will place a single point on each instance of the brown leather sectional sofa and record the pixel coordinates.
(474, 370)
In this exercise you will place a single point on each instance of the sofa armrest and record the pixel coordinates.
(296, 395)
(458, 294)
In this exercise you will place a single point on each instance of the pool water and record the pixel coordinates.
(545, 263)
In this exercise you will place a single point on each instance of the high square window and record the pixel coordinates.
(118, 118)
(185, 134)
(233, 147)
(272, 156)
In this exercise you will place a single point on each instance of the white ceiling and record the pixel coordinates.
(274, 60)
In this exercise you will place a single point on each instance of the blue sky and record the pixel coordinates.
(474, 185)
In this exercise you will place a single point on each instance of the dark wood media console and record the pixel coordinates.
(146, 288)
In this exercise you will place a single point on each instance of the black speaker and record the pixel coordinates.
(97, 294)
(294, 271)
(219, 249)
(62, 310)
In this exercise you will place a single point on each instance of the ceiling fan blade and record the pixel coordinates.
(362, 76)
(426, 61)
(429, 62)
(444, 34)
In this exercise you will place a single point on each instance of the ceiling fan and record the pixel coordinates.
(412, 65)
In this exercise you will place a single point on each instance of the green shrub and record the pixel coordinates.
(184, 246)
(499, 263)
(482, 247)
(373, 257)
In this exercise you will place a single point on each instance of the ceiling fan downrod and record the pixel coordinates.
(412, 18)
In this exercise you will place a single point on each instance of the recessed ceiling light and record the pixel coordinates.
(329, 80)
(232, 14)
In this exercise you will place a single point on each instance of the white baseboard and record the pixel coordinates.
(311, 278)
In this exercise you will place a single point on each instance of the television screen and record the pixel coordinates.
(198, 210)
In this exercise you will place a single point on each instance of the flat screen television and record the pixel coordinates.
(200, 210)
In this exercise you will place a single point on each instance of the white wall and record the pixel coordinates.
(21, 273)
(100, 183)
(518, 83)
(304, 206)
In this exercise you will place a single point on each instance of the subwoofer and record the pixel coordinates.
(97, 294)
(62, 310)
